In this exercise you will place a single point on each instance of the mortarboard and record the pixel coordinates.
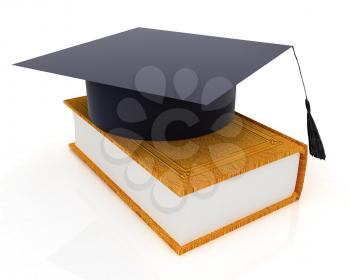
(161, 85)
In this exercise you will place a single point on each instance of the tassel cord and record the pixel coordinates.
(316, 148)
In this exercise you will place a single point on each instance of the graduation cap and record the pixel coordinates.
(161, 85)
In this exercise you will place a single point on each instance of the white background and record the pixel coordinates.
(59, 221)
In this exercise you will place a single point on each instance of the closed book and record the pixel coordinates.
(195, 190)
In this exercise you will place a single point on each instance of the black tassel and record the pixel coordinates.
(316, 148)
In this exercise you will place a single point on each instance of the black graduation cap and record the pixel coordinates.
(160, 85)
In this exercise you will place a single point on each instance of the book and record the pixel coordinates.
(195, 190)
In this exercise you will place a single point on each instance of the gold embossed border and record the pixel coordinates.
(183, 181)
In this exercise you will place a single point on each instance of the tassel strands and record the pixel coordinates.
(316, 148)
